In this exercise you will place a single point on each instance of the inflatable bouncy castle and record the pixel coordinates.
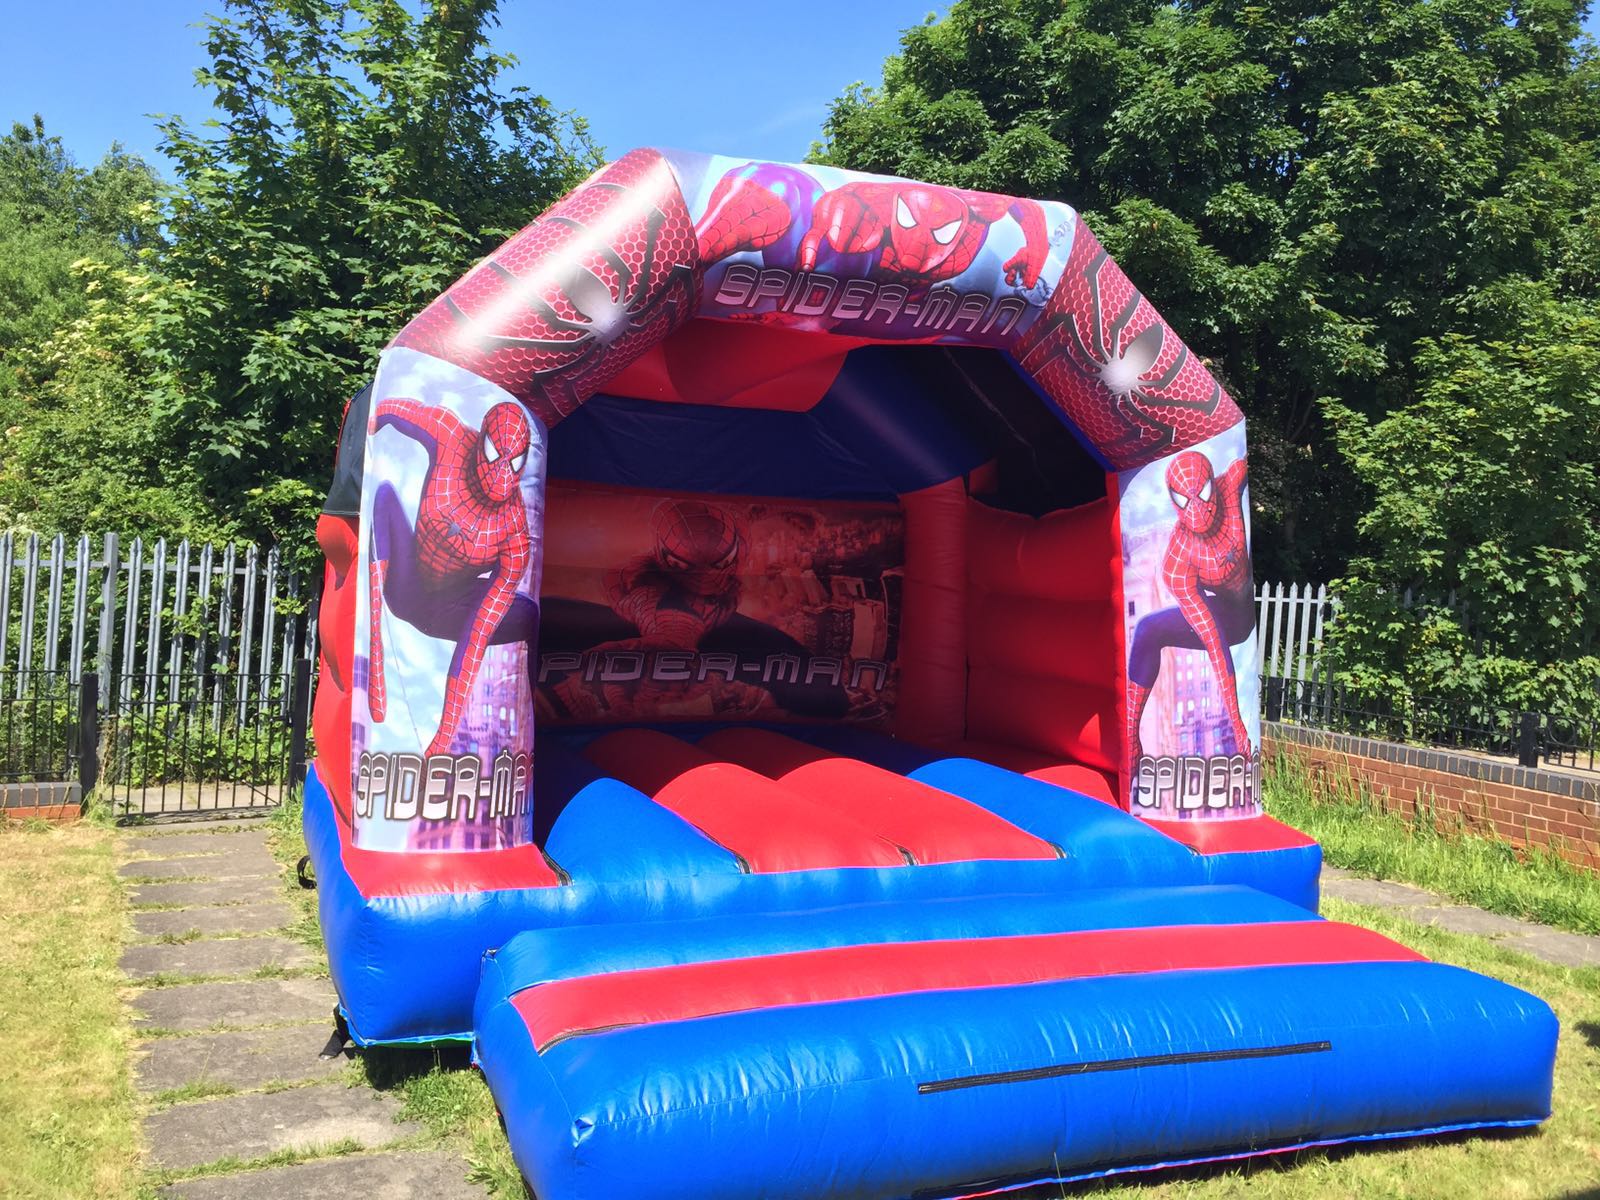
(789, 700)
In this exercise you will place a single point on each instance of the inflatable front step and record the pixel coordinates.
(964, 1048)
(652, 827)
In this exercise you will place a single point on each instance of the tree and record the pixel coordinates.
(362, 158)
(1483, 584)
(1308, 192)
(53, 214)
(89, 446)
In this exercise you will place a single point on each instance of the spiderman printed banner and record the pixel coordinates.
(661, 607)
(828, 250)
(1193, 735)
(443, 721)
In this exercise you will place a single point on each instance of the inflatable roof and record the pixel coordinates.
(789, 698)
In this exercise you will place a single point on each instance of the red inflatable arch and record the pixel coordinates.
(880, 371)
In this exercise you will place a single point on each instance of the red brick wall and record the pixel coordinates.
(56, 814)
(1503, 808)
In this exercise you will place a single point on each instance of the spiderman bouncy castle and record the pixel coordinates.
(788, 698)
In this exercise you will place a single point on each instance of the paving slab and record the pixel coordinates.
(242, 1059)
(235, 864)
(245, 1004)
(1463, 918)
(1527, 937)
(239, 918)
(208, 824)
(249, 890)
(231, 956)
(1559, 947)
(174, 844)
(1380, 892)
(262, 1123)
(397, 1175)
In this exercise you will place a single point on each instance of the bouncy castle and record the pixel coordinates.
(789, 699)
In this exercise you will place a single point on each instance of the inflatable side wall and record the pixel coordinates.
(432, 608)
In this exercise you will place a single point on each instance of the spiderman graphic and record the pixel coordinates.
(455, 575)
(678, 599)
(914, 233)
(1207, 570)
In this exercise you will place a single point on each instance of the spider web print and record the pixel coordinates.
(1122, 377)
(556, 311)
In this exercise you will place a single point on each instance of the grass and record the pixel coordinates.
(68, 1117)
(1360, 835)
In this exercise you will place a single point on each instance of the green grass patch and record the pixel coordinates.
(70, 1120)
(1429, 850)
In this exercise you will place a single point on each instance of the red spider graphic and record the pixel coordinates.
(601, 317)
(915, 232)
(1207, 570)
(1130, 373)
(684, 589)
(572, 299)
(922, 231)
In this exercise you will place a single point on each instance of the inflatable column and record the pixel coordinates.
(446, 616)
(452, 506)
(1173, 442)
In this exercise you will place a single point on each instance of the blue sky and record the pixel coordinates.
(743, 77)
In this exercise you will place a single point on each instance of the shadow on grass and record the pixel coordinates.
(1274, 1162)
(390, 1067)
(1589, 1031)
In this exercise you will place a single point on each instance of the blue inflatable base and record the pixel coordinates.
(972, 1091)
(405, 962)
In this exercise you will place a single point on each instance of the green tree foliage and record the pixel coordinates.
(1486, 508)
(362, 157)
(1306, 191)
(54, 213)
(92, 446)
(1380, 221)
(79, 440)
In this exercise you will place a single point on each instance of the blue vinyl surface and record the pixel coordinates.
(823, 1099)
(406, 967)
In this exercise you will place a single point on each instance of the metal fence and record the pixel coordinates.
(1531, 738)
(206, 742)
(39, 728)
(175, 676)
(1290, 620)
(145, 613)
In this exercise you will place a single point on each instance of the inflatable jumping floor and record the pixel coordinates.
(789, 700)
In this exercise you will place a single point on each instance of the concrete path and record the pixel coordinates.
(1427, 908)
(233, 1017)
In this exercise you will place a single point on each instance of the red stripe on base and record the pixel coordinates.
(1240, 836)
(769, 826)
(567, 1008)
(431, 872)
(934, 826)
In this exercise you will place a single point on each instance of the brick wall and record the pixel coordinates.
(1557, 810)
(57, 803)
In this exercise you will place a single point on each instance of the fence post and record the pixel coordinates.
(299, 714)
(88, 734)
(104, 661)
(1528, 739)
(1274, 698)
